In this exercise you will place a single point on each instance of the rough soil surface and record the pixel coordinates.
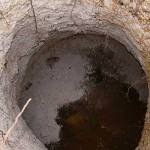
(26, 26)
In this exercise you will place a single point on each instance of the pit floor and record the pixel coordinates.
(83, 99)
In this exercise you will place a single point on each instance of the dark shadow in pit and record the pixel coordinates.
(104, 119)
(108, 117)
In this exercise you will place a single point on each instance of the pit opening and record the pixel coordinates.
(88, 93)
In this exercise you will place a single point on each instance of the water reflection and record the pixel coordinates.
(108, 117)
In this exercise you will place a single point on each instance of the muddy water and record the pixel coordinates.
(82, 97)
(104, 119)
(108, 117)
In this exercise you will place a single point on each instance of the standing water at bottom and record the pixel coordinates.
(108, 117)
(85, 99)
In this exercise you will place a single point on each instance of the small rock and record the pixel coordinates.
(146, 6)
(125, 2)
(132, 5)
(108, 3)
